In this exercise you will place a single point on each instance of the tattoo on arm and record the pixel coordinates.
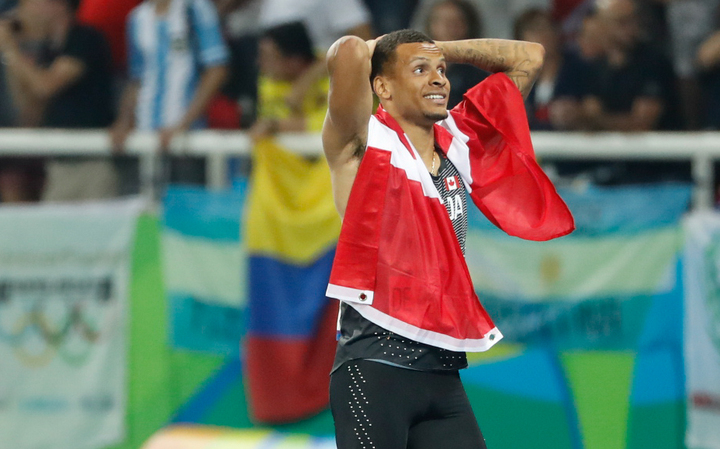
(514, 58)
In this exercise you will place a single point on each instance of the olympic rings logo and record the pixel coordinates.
(66, 323)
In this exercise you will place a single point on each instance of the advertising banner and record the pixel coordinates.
(64, 272)
(702, 330)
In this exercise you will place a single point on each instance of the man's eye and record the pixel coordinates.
(418, 70)
(441, 70)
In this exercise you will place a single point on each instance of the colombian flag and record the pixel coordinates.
(292, 230)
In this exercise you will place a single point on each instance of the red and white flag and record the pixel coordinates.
(451, 183)
(376, 268)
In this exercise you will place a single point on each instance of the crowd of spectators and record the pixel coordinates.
(172, 66)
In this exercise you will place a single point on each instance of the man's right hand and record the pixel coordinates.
(118, 135)
(372, 43)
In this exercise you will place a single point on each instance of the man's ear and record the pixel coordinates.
(382, 88)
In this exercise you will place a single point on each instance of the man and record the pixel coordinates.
(21, 179)
(409, 311)
(69, 86)
(554, 101)
(632, 87)
(177, 63)
(292, 88)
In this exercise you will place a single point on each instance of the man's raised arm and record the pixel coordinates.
(350, 104)
(519, 60)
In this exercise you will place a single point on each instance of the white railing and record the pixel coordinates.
(701, 149)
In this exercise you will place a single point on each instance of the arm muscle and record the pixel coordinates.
(519, 60)
(350, 102)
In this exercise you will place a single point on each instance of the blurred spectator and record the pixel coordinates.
(293, 84)
(689, 23)
(21, 179)
(326, 20)
(390, 16)
(25, 30)
(590, 39)
(177, 63)
(450, 20)
(632, 87)
(236, 105)
(68, 85)
(497, 15)
(708, 62)
(554, 103)
(109, 16)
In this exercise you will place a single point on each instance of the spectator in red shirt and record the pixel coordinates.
(109, 16)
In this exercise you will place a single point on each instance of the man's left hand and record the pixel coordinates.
(263, 128)
(167, 135)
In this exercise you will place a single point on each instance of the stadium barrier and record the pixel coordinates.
(701, 149)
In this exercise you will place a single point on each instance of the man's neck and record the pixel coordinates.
(419, 130)
(422, 137)
(161, 6)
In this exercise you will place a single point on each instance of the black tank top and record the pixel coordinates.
(362, 339)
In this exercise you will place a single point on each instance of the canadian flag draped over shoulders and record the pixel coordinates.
(398, 262)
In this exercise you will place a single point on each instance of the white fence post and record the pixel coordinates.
(703, 173)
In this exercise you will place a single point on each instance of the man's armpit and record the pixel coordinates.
(357, 146)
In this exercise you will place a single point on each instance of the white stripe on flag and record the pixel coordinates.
(210, 271)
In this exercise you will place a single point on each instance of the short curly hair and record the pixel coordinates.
(385, 49)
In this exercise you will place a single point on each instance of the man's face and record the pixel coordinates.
(447, 23)
(621, 22)
(417, 86)
(271, 60)
(543, 32)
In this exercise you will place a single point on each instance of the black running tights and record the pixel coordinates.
(378, 406)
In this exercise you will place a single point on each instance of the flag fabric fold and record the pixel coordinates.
(203, 263)
(506, 183)
(291, 232)
(398, 262)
